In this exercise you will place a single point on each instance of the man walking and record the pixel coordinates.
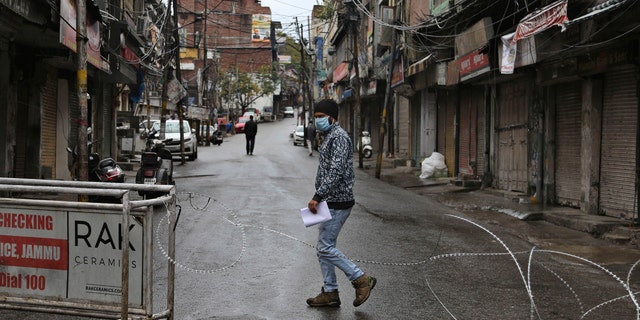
(250, 131)
(334, 184)
(311, 137)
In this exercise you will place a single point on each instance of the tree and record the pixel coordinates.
(245, 88)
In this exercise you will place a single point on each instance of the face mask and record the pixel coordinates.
(323, 124)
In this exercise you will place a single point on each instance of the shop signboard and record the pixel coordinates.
(473, 65)
(68, 255)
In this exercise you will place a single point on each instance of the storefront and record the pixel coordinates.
(471, 130)
(512, 140)
(568, 143)
(619, 159)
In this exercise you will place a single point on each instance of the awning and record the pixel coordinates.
(341, 71)
(419, 66)
(594, 11)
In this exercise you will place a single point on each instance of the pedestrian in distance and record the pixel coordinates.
(250, 131)
(334, 184)
(311, 137)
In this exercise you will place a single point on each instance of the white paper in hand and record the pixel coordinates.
(322, 214)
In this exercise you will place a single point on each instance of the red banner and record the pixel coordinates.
(543, 19)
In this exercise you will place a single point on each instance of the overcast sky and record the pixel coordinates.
(286, 12)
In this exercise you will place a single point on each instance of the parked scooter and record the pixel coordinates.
(99, 170)
(367, 149)
(156, 165)
(217, 137)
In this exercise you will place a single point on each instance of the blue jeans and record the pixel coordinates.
(329, 256)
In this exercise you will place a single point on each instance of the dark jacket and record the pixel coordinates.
(311, 132)
(251, 128)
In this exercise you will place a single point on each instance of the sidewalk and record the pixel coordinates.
(453, 194)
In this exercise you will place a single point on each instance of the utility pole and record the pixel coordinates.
(311, 73)
(387, 98)
(303, 66)
(165, 74)
(353, 21)
(81, 48)
(176, 36)
(205, 99)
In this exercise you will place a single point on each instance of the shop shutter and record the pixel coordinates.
(446, 127)
(568, 144)
(442, 121)
(450, 133)
(511, 126)
(478, 95)
(49, 100)
(404, 128)
(428, 124)
(618, 150)
(466, 113)
(471, 100)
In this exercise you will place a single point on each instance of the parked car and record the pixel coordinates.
(298, 135)
(255, 112)
(288, 112)
(250, 114)
(172, 131)
(240, 125)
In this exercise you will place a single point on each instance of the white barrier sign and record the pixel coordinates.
(68, 255)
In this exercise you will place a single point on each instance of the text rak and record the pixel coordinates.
(84, 234)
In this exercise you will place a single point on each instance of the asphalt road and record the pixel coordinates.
(243, 252)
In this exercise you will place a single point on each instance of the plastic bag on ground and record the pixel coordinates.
(431, 164)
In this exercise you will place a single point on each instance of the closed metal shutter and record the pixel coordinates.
(470, 101)
(568, 144)
(446, 128)
(428, 124)
(466, 125)
(404, 128)
(618, 150)
(442, 121)
(480, 99)
(511, 126)
(49, 98)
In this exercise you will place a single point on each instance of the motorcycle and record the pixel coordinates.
(156, 165)
(217, 137)
(367, 149)
(100, 170)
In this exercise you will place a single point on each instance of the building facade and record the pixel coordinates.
(538, 99)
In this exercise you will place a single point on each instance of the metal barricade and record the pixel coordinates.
(53, 261)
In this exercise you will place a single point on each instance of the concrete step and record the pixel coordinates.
(576, 220)
(471, 184)
(623, 235)
(617, 239)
